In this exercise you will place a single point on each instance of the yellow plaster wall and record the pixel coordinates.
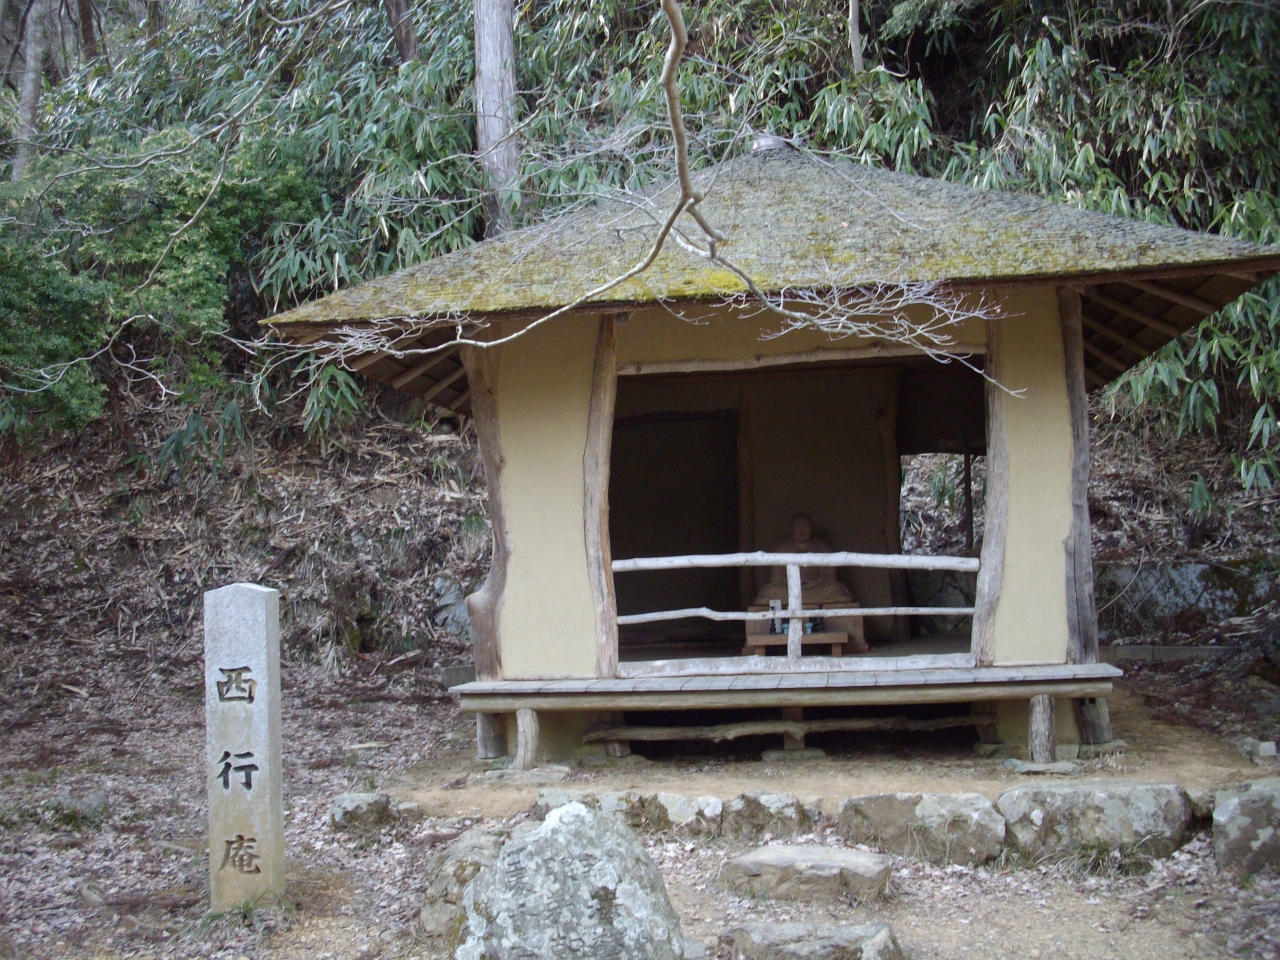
(1031, 617)
(547, 620)
(727, 333)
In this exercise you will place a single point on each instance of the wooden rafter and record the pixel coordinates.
(1097, 379)
(368, 360)
(1154, 323)
(1132, 345)
(426, 366)
(1118, 365)
(456, 403)
(444, 384)
(1175, 296)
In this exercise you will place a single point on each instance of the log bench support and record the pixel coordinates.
(1040, 732)
(793, 740)
(491, 736)
(789, 693)
(527, 733)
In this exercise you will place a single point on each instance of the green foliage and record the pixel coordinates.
(264, 153)
(333, 396)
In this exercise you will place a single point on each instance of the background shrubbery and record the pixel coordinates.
(252, 155)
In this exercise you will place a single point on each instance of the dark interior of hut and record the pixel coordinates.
(727, 462)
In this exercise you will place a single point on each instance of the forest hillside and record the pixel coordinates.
(177, 172)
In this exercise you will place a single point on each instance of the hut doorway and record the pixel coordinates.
(673, 492)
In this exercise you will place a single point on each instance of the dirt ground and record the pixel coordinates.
(136, 885)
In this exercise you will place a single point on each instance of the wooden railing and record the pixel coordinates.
(794, 612)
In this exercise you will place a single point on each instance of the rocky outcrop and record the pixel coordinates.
(809, 941)
(1053, 819)
(1246, 827)
(578, 885)
(352, 811)
(752, 815)
(940, 827)
(825, 874)
(449, 872)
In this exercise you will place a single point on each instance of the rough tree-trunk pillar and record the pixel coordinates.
(485, 605)
(595, 471)
(991, 571)
(1082, 615)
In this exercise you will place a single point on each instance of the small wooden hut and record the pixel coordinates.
(690, 514)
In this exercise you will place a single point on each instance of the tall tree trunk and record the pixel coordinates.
(496, 108)
(88, 36)
(402, 28)
(34, 52)
(155, 22)
(855, 35)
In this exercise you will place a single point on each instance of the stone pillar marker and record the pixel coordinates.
(242, 726)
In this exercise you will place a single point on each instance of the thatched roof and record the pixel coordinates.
(793, 220)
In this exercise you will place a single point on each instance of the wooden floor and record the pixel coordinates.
(854, 687)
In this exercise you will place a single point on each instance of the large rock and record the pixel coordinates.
(751, 815)
(579, 885)
(828, 874)
(940, 827)
(450, 870)
(1246, 827)
(1051, 819)
(809, 941)
(351, 811)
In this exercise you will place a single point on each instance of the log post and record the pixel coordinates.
(793, 741)
(526, 740)
(887, 423)
(795, 625)
(617, 748)
(991, 573)
(1040, 739)
(746, 494)
(485, 605)
(1082, 616)
(491, 736)
(595, 471)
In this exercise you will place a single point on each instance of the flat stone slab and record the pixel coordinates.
(1059, 818)
(1246, 827)
(939, 827)
(826, 874)
(793, 756)
(538, 777)
(1062, 768)
(810, 941)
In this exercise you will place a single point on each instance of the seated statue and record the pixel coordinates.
(818, 585)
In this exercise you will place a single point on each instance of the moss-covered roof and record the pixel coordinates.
(792, 220)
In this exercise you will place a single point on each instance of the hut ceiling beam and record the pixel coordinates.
(1119, 338)
(1175, 296)
(1102, 300)
(1119, 365)
(368, 360)
(443, 384)
(426, 366)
